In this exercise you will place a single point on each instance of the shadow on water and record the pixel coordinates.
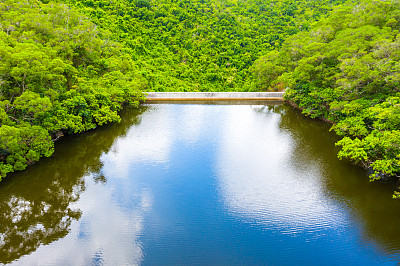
(369, 202)
(35, 204)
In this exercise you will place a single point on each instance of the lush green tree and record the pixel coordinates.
(59, 73)
(346, 69)
(201, 45)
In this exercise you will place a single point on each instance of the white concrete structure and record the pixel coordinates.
(201, 96)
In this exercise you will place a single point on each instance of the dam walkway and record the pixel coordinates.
(213, 96)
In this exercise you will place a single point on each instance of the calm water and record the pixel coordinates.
(199, 184)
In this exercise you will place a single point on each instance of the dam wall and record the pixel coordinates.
(210, 96)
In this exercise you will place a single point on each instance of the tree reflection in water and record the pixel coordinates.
(369, 203)
(41, 205)
(35, 205)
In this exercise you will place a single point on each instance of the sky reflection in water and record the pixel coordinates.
(230, 184)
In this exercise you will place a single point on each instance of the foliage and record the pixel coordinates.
(58, 73)
(346, 69)
(61, 73)
(201, 45)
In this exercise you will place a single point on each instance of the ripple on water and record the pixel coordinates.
(202, 185)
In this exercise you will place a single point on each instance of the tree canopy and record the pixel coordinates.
(347, 69)
(201, 45)
(59, 73)
(68, 67)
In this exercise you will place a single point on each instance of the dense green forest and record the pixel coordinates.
(201, 45)
(347, 69)
(69, 66)
(59, 73)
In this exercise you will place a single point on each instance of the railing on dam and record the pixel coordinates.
(201, 96)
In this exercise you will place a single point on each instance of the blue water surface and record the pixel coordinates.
(226, 185)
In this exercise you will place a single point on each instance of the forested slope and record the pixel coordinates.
(347, 69)
(59, 73)
(201, 45)
(62, 72)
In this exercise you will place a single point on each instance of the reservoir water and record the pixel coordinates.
(198, 184)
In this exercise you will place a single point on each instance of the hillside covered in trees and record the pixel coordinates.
(69, 66)
(347, 69)
(201, 45)
(59, 73)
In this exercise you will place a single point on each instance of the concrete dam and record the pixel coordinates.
(213, 96)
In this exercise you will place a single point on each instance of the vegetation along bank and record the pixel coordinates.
(71, 66)
(59, 73)
(347, 69)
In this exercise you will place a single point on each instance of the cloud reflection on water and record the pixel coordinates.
(105, 234)
(149, 142)
(270, 189)
(157, 193)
